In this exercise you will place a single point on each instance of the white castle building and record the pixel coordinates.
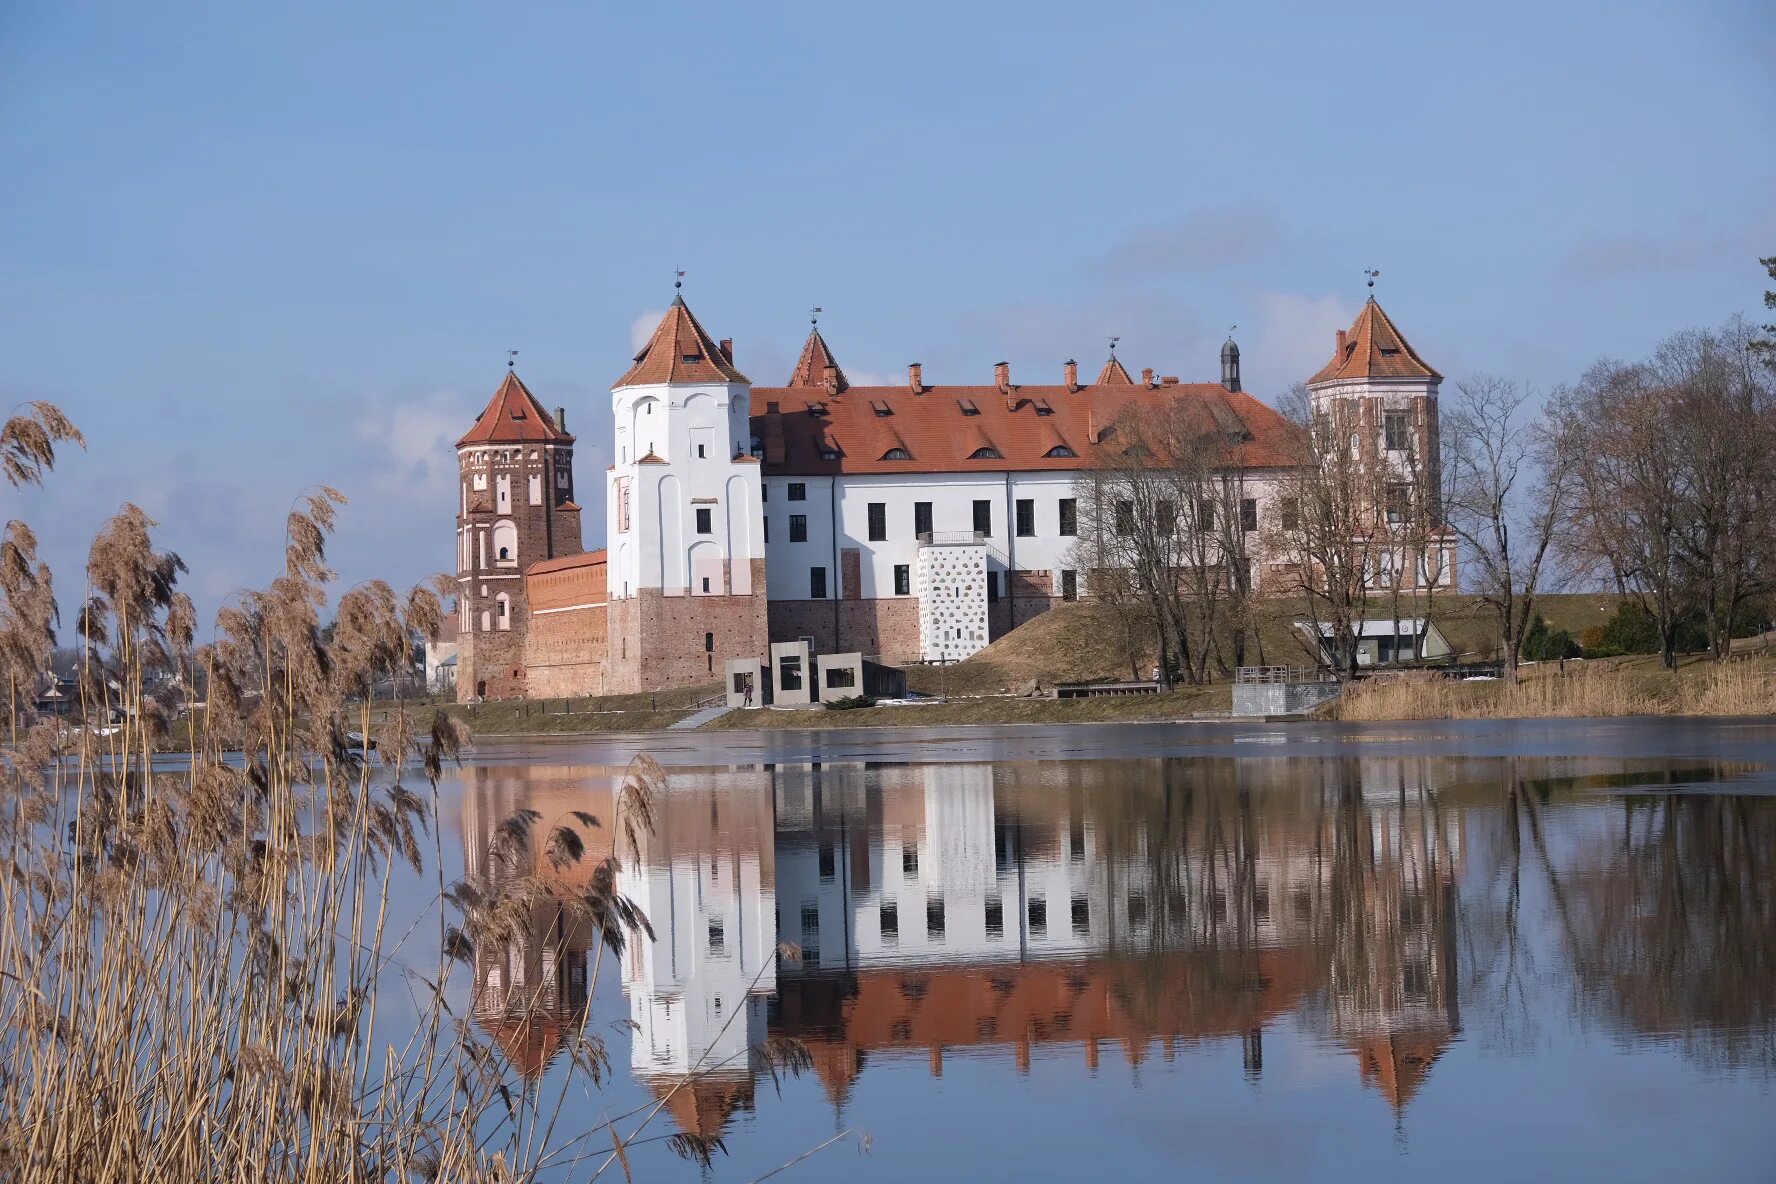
(914, 522)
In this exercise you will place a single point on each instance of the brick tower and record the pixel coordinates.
(685, 527)
(516, 508)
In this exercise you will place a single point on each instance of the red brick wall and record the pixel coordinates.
(565, 653)
(887, 627)
(662, 637)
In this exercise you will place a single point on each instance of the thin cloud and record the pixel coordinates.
(1206, 237)
(643, 326)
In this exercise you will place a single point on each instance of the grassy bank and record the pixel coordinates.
(1634, 686)
(996, 710)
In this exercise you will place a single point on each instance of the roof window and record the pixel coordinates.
(897, 454)
(816, 409)
(1389, 351)
(691, 357)
(968, 407)
(988, 453)
(1043, 407)
(881, 408)
(1060, 450)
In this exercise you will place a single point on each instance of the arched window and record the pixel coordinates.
(1060, 450)
(984, 454)
(897, 454)
(505, 544)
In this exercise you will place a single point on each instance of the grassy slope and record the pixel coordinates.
(996, 710)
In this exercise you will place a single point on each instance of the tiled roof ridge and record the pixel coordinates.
(663, 358)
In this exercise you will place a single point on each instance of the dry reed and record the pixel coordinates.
(1733, 688)
(194, 953)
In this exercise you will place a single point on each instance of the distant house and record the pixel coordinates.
(56, 696)
(440, 667)
(1383, 641)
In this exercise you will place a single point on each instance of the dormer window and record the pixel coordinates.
(691, 357)
(817, 409)
(881, 409)
(968, 407)
(1388, 352)
(897, 454)
(1043, 407)
(1060, 450)
(988, 453)
(517, 413)
(829, 454)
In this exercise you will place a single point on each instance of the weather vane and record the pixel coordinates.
(1230, 329)
(814, 314)
(511, 358)
(679, 277)
(1113, 342)
(1371, 272)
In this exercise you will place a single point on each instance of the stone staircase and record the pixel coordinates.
(698, 718)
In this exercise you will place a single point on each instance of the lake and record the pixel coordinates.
(1485, 951)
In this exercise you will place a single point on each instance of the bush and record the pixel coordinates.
(1634, 630)
(850, 704)
(1542, 644)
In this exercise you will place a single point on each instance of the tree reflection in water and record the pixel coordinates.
(1141, 906)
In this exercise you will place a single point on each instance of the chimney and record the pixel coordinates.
(1169, 380)
(1072, 372)
(727, 348)
(916, 377)
(1340, 353)
(561, 419)
(1147, 376)
(1002, 376)
(830, 373)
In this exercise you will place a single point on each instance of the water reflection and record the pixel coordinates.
(1138, 908)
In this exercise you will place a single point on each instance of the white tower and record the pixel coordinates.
(685, 527)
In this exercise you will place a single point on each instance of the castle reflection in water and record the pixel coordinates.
(956, 909)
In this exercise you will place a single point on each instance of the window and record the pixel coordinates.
(1060, 451)
(702, 453)
(985, 454)
(1038, 916)
(992, 587)
(1165, 520)
(764, 491)
(1125, 518)
(841, 678)
(983, 517)
(789, 675)
(705, 583)
(968, 407)
(828, 862)
(1291, 513)
(798, 528)
(1026, 517)
(903, 580)
(921, 517)
(1205, 515)
(1069, 517)
(536, 489)
(1081, 916)
(995, 917)
(934, 917)
(810, 921)
(708, 641)
(1249, 513)
(890, 916)
(798, 491)
(767, 523)
(817, 583)
(878, 521)
(716, 943)
(1399, 504)
(1397, 428)
(705, 520)
(1069, 584)
(909, 859)
(897, 454)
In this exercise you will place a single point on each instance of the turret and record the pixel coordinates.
(1230, 364)
(515, 508)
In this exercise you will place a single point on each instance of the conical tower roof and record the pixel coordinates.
(680, 351)
(1113, 374)
(513, 416)
(1374, 348)
(810, 368)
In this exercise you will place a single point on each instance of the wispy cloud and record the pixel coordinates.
(643, 326)
(1206, 237)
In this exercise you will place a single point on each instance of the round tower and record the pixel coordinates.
(515, 509)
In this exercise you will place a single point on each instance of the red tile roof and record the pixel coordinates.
(680, 351)
(1373, 348)
(810, 368)
(565, 562)
(514, 416)
(848, 433)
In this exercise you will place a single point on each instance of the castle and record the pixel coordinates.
(914, 522)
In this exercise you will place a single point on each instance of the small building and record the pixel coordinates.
(1384, 641)
(795, 676)
(440, 667)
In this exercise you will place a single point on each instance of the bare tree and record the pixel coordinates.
(1510, 476)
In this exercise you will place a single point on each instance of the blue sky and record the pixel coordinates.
(251, 248)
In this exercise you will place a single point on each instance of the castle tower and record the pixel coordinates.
(1379, 394)
(684, 521)
(516, 508)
